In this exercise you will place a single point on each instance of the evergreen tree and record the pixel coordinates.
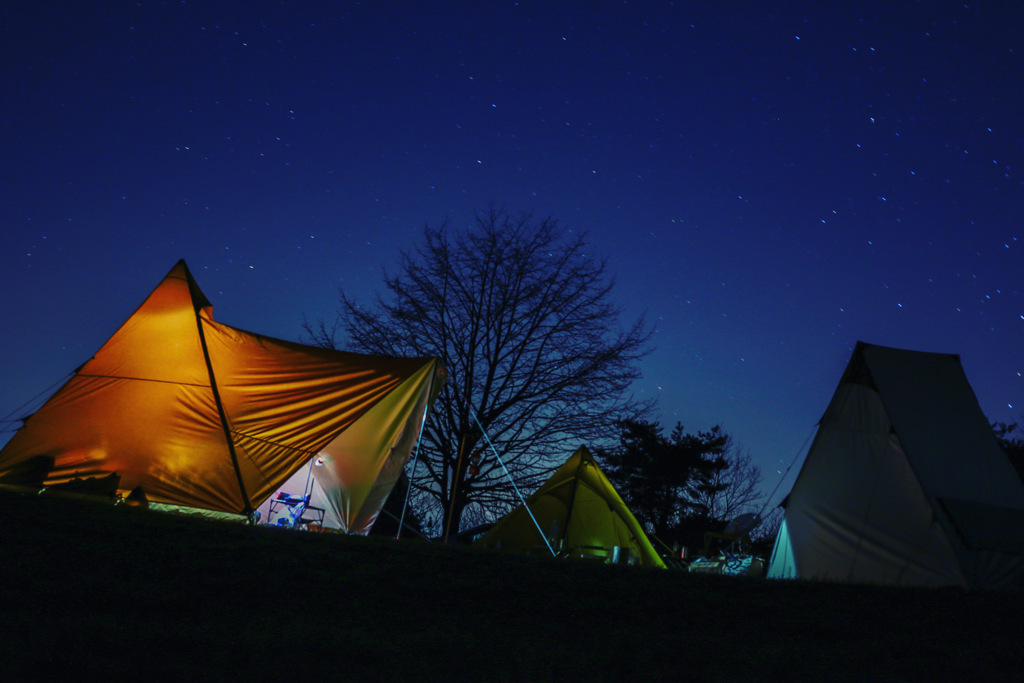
(665, 479)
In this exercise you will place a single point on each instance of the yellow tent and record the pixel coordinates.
(580, 513)
(204, 415)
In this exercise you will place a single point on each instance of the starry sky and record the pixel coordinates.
(769, 181)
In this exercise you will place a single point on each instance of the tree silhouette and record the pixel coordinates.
(1012, 445)
(666, 481)
(736, 489)
(520, 313)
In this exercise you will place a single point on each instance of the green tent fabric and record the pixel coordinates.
(580, 513)
(905, 483)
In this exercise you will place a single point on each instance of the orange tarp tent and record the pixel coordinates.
(201, 414)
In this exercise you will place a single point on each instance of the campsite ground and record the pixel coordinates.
(93, 590)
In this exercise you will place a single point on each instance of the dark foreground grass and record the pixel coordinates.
(91, 592)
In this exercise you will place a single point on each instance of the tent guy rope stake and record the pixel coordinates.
(513, 482)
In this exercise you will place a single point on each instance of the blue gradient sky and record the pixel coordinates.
(769, 182)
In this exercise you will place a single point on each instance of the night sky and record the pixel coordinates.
(769, 182)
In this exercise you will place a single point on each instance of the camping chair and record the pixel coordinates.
(295, 512)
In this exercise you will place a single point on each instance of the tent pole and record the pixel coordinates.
(572, 502)
(512, 481)
(247, 510)
(408, 490)
(307, 490)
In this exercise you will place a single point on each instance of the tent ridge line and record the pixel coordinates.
(310, 453)
(247, 509)
(244, 435)
(142, 379)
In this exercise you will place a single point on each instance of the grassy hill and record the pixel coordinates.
(92, 590)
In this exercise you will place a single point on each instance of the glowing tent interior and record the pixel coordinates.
(196, 413)
(904, 483)
(580, 514)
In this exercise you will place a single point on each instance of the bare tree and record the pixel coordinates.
(764, 534)
(737, 488)
(520, 313)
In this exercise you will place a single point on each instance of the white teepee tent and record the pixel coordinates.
(904, 483)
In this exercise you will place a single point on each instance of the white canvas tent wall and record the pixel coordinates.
(327, 477)
(904, 483)
(201, 414)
